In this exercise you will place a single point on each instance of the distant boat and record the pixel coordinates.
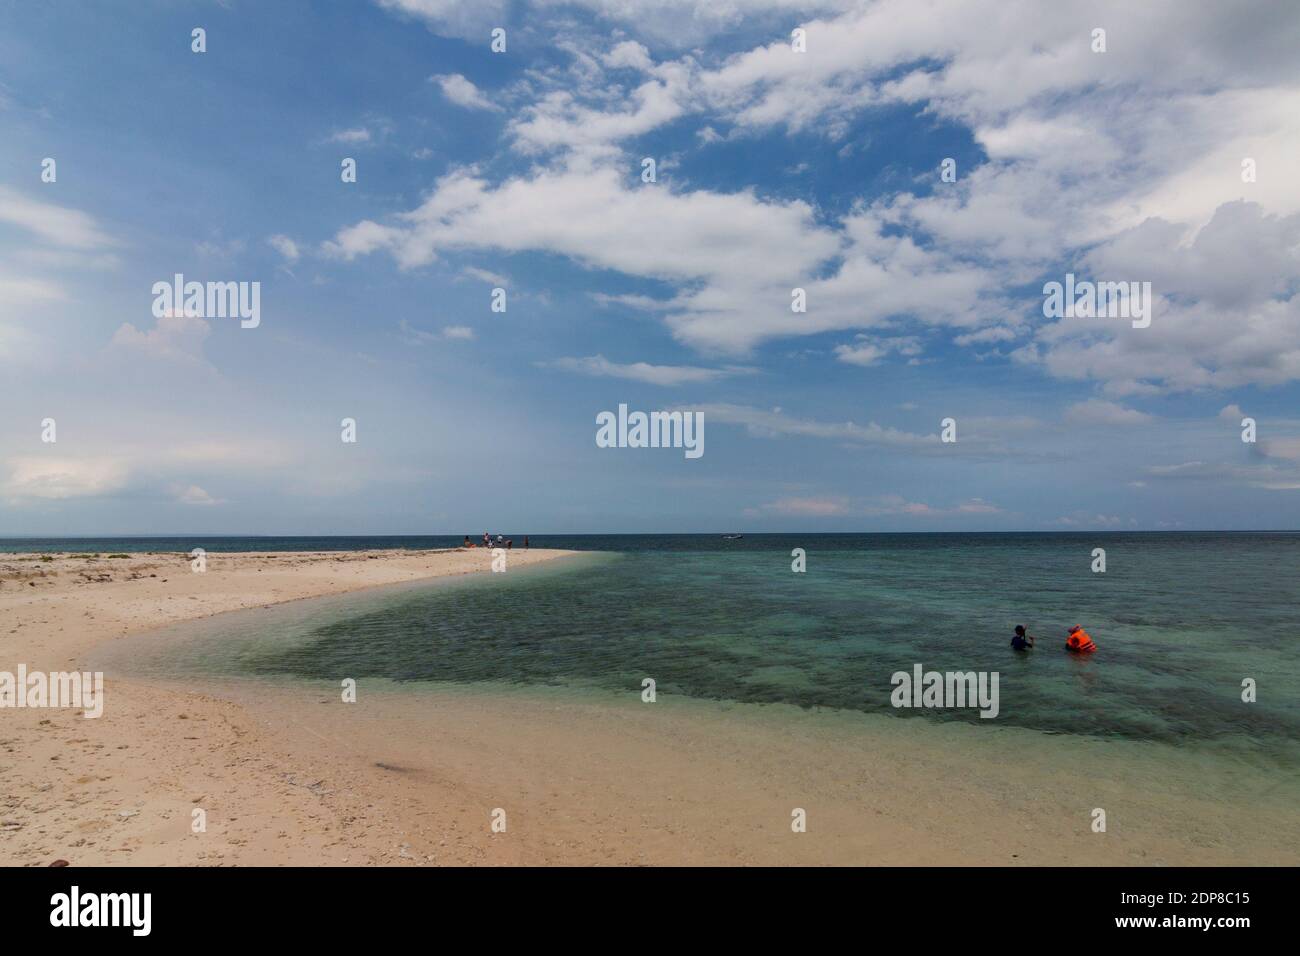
(731, 537)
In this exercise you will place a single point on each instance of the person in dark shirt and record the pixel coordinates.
(1022, 641)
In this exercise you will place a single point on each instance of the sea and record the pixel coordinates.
(1198, 634)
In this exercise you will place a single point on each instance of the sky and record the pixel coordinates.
(795, 146)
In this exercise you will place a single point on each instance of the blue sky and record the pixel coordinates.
(522, 170)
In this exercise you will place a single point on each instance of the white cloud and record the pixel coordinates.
(775, 423)
(352, 137)
(1227, 311)
(736, 256)
(808, 507)
(21, 290)
(628, 55)
(1084, 519)
(285, 246)
(1098, 412)
(244, 452)
(217, 249)
(598, 365)
(413, 336)
(1192, 468)
(867, 350)
(495, 279)
(643, 302)
(462, 92)
(559, 121)
(454, 18)
(1274, 471)
(177, 338)
(675, 23)
(827, 506)
(996, 333)
(50, 223)
(1164, 119)
(63, 477)
(684, 23)
(1287, 449)
(194, 495)
(362, 239)
(861, 354)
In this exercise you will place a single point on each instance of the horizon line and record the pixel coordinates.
(594, 534)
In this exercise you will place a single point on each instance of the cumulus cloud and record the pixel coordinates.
(866, 350)
(453, 18)
(736, 256)
(667, 23)
(1227, 312)
(628, 55)
(560, 120)
(462, 92)
(1284, 448)
(194, 495)
(1164, 119)
(177, 338)
(990, 335)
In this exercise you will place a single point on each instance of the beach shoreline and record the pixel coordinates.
(289, 774)
(91, 791)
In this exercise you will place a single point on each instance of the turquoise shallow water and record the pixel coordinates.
(1180, 619)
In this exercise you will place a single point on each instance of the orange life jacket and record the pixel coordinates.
(1080, 642)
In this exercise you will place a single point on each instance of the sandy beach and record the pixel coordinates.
(120, 789)
(290, 775)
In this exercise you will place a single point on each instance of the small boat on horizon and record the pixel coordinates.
(731, 537)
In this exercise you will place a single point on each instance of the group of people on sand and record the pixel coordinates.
(489, 543)
(1077, 641)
